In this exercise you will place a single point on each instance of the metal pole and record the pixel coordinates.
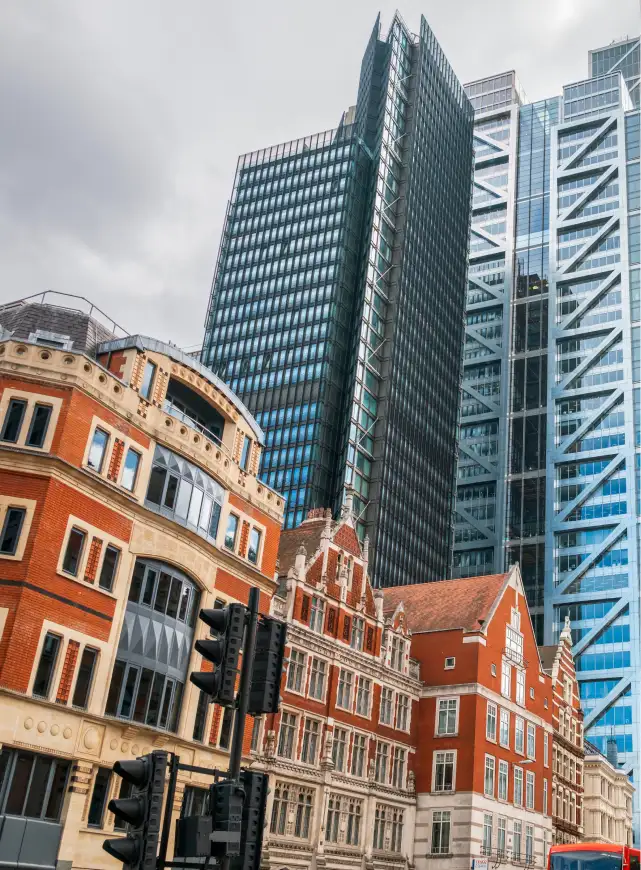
(235, 755)
(169, 806)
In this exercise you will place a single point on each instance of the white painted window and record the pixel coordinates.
(506, 679)
(520, 688)
(529, 790)
(503, 777)
(490, 721)
(518, 786)
(504, 732)
(490, 768)
(519, 735)
(531, 740)
(447, 716)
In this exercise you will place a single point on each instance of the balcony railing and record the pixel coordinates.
(171, 409)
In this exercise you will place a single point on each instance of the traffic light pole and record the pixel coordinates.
(236, 753)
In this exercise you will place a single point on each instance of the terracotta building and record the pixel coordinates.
(341, 751)
(567, 743)
(128, 499)
(483, 764)
(607, 800)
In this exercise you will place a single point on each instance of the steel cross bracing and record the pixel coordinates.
(591, 439)
(481, 526)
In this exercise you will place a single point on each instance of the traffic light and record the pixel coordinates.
(141, 811)
(226, 800)
(223, 651)
(264, 693)
(254, 784)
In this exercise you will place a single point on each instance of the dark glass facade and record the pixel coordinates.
(529, 359)
(337, 305)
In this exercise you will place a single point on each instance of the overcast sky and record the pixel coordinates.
(122, 121)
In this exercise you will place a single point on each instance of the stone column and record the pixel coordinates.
(74, 812)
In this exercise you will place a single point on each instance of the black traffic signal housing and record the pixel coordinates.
(226, 799)
(264, 694)
(227, 624)
(141, 811)
(255, 786)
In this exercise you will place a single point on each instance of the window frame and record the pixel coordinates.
(233, 547)
(503, 773)
(254, 530)
(530, 731)
(100, 824)
(53, 668)
(92, 676)
(444, 762)
(504, 718)
(136, 474)
(5, 523)
(114, 575)
(299, 670)
(487, 767)
(147, 385)
(340, 689)
(357, 707)
(491, 735)
(81, 552)
(36, 407)
(105, 449)
(447, 700)
(442, 823)
(14, 400)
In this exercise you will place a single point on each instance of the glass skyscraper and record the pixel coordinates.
(337, 305)
(550, 421)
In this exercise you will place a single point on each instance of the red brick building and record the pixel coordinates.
(128, 499)
(568, 752)
(484, 759)
(341, 752)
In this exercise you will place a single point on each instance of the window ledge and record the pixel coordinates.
(436, 855)
(84, 585)
(443, 792)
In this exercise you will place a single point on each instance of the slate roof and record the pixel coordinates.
(446, 604)
(308, 534)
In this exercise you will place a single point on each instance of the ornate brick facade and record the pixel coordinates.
(114, 529)
(567, 743)
(483, 763)
(341, 752)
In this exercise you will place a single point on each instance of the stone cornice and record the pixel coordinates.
(76, 370)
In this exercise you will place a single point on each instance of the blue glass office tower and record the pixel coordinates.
(594, 410)
(550, 432)
(337, 305)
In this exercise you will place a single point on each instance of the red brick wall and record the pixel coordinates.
(474, 665)
(66, 678)
(42, 593)
(272, 532)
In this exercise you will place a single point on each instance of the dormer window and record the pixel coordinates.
(51, 339)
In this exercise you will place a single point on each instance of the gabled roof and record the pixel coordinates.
(547, 655)
(308, 534)
(446, 604)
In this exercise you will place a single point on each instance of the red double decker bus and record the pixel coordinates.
(593, 856)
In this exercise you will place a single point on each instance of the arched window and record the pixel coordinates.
(184, 493)
(155, 643)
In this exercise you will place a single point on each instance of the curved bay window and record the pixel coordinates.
(153, 653)
(181, 491)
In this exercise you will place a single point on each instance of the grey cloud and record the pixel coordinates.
(122, 122)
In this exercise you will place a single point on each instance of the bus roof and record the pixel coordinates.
(587, 847)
